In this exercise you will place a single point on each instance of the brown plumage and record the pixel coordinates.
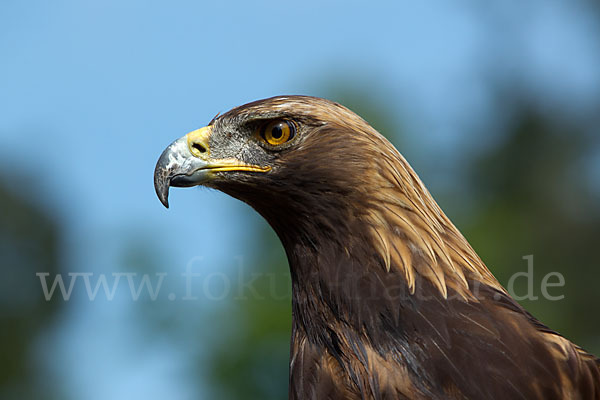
(389, 299)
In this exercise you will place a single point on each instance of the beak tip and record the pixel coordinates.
(165, 203)
(162, 185)
(162, 191)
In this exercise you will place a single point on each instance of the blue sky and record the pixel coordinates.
(91, 92)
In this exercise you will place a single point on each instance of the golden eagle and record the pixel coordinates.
(389, 299)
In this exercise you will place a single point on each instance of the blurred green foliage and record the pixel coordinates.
(29, 243)
(533, 197)
(250, 359)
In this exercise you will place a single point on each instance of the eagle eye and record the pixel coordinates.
(278, 132)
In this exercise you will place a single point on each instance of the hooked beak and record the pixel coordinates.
(186, 162)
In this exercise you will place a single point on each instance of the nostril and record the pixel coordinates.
(199, 147)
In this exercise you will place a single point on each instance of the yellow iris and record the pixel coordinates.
(278, 132)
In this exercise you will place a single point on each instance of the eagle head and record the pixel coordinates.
(304, 163)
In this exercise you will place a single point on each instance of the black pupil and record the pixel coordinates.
(277, 132)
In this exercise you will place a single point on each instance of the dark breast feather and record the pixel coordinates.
(444, 349)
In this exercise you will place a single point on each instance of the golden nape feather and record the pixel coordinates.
(389, 301)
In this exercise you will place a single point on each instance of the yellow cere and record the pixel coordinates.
(198, 141)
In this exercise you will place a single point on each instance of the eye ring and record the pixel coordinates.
(276, 133)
